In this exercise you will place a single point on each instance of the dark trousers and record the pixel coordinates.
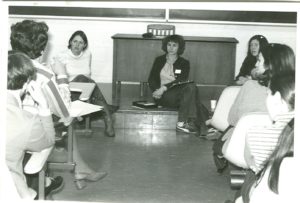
(220, 162)
(186, 99)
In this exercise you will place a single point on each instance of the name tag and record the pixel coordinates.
(177, 71)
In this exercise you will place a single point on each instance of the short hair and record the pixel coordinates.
(174, 38)
(263, 43)
(82, 35)
(29, 37)
(19, 70)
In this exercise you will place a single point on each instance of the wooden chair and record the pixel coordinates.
(38, 164)
(86, 90)
(69, 164)
(161, 30)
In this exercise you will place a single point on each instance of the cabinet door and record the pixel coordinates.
(212, 63)
(134, 58)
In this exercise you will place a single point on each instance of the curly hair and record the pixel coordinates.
(19, 70)
(29, 37)
(82, 35)
(174, 38)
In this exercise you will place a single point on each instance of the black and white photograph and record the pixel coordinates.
(155, 102)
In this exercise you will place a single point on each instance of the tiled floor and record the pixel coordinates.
(149, 166)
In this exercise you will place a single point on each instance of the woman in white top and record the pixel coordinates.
(74, 64)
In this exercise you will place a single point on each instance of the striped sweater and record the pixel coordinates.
(58, 96)
(261, 141)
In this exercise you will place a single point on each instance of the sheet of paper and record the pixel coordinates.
(79, 108)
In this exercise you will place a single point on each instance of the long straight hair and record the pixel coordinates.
(285, 148)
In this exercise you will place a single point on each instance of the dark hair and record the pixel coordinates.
(19, 70)
(174, 38)
(82, 35)
(284, 148)
(284, 83)
(278, 58)
(29, 37)
(250, 60)
(263, 43)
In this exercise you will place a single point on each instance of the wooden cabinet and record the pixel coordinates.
(212, 60)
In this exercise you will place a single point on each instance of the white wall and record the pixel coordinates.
(99, 34)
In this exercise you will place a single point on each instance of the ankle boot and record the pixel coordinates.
(109, 127)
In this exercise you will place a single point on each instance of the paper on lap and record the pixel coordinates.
(79, 108)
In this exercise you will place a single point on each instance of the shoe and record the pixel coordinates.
(91, 177)
(80, 184)
(213, 136)
(109, 128)
(55, 186)
(186, 127)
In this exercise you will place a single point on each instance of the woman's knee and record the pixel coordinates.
(191, 87)
(82, 78)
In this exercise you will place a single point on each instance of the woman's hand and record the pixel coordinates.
(241, 80)
(65, 93)
(37, 95)
(157, 94)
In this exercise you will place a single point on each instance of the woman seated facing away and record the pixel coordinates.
(168, 70)
(260, 142)
(25, 131)
(277, 139)
(253, 94)
(74, 64)
(277, 181)
(255, 45)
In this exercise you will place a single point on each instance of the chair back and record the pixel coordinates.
(161, 30)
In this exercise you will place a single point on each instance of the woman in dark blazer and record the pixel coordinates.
(168, 71)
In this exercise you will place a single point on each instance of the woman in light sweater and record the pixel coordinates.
(74, 64)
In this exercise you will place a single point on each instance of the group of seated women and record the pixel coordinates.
(39, 96)
(268, 87)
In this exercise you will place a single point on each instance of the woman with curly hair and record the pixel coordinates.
(170, 69)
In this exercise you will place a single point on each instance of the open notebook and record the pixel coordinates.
(79, 108)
